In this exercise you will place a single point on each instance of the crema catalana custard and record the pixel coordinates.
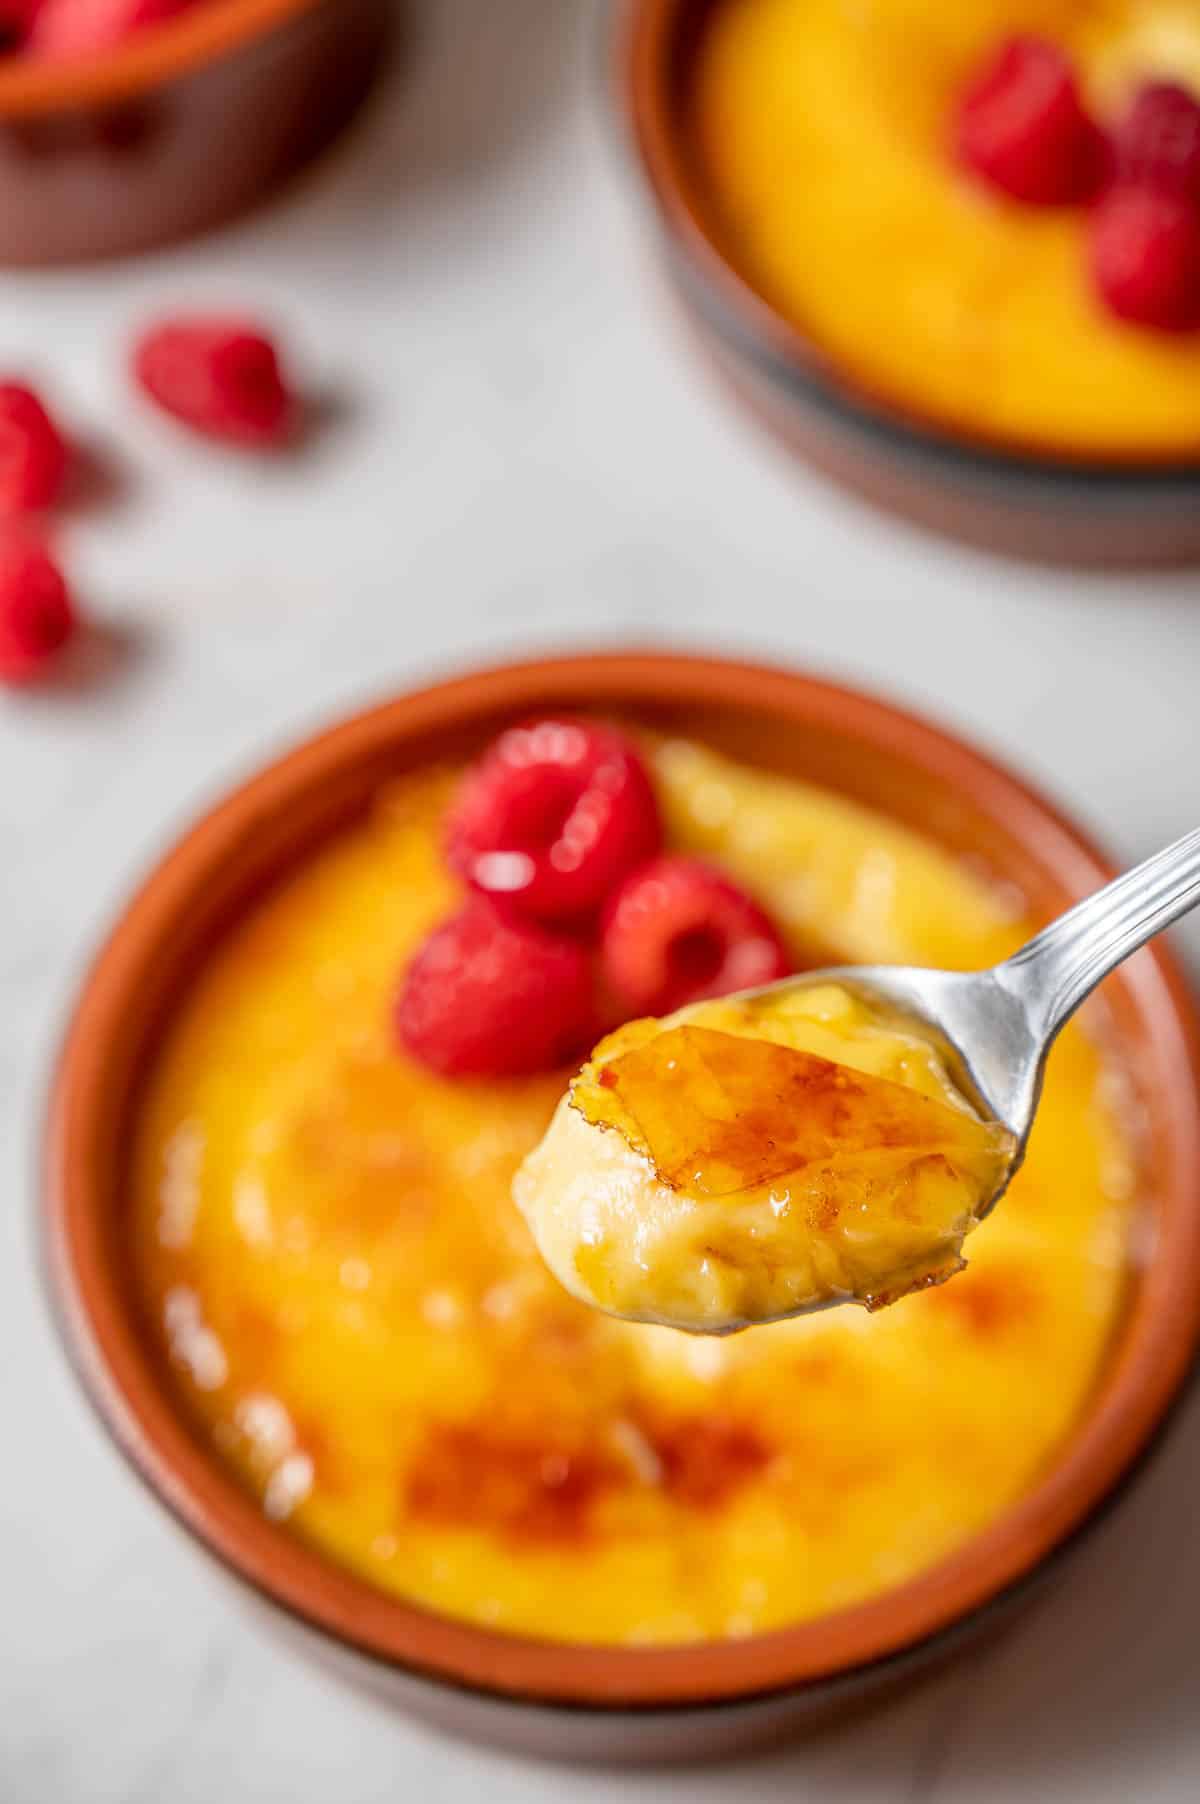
(355, 1318)
(748, 1159)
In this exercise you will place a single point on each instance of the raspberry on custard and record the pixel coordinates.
(678, 931)
(16, 19)
(552, 817)
(1022, 126)
(1158, 141)
(1145, 257)
(33, 454)
(36, 615)
(220, 376)
(489, 997)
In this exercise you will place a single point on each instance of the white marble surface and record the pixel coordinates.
(522, 456)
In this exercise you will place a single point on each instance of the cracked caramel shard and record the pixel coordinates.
(710, 1178)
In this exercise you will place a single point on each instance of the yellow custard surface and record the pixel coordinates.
(820, 134)
(355, 1318)
(751, 1157)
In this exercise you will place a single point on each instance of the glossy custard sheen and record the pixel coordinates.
(820, 131)
(746, 1159)
(356, 1317)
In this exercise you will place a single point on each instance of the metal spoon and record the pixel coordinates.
(996, 1027)
(993, 1029)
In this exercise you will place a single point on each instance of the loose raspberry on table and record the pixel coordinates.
(36, 616)
(222, 377)
(1145, 257)
(678, 931)
(489, 997)
(33, 454)
(1022, 126)
(552, 817)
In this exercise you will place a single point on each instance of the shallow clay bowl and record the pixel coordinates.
(1060, 510)
(591, 1701)
(178, 129)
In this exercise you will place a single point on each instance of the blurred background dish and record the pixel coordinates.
(609, 1699)
(931, 345)
(181, 126)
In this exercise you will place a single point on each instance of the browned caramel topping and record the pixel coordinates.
(706, 1459)
(476, 1474)
(990, 1304)
(719, 1113)
(524, 1486)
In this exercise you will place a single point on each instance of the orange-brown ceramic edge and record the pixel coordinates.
(1144, 1378)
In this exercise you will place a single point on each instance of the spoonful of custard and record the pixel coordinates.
(831, 1138)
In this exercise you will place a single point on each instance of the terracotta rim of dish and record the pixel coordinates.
(648, 45)
(1143, 1379)
(161, 53)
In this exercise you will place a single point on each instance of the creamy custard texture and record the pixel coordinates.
(746, 1159)
(357, 1321)
(820, 133)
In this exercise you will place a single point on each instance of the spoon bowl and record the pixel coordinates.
(994, 1028)
(835, 1190)
(978, 1026)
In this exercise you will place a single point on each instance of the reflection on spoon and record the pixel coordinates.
(832, 1138)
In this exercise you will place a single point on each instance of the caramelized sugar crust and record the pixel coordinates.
(718, 1113)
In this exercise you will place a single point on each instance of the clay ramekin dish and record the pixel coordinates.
(577, 1700)
(180, 128)
(1084, 512)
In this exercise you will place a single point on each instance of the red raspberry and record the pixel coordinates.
(678, 931)
(1158, 141)
(1145, 256)
(1022, 126)
(36, 616)
(552, 817)
(16, 18)
(33, 457)
(219, 376)
(68, 28)
(485, 997)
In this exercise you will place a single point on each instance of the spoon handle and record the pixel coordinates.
(1055, 971)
